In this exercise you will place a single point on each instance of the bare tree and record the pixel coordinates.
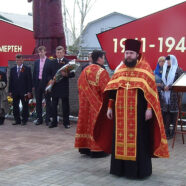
(63, 7)
(80, 9)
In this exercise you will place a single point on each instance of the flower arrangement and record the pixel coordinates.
(22, 69)
(31, 105)
(10, 104)
(44, 107)
(69, 67)
(51, 58)
(27, 98)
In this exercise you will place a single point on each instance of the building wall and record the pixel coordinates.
(106, 23)
(25, 21)
(14, 39)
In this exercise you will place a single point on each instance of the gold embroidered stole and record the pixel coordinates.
(126, 124)
(126, 81)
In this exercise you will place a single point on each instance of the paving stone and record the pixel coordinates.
(38, 156)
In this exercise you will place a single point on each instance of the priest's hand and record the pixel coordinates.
(109, 113)
(148, 114)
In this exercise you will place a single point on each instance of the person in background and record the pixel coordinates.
(91, 85)
(89, 59)
(20, 84)
(159, 69)
(171, 72)
(60, 90)
(158, 77)
(3, 97)
(40, 81)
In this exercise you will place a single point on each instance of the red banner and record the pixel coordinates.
(14, 39)
(161, 33)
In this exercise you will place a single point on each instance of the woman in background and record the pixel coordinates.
(158, 77)
(171, 72)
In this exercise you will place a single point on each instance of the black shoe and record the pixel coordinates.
(38, 122)
(47, 122)
(67, 126)
(52, 125)
(169, 137)
(98, 154)
(168, 134)
(85, 151)
(172, 133)
(16, 123)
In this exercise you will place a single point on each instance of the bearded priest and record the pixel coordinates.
(130, 124)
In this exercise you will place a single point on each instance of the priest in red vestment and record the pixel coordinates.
(91, 85)
(130, 124)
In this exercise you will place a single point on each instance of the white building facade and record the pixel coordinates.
(89, 39)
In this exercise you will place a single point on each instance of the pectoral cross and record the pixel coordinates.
(127, 85)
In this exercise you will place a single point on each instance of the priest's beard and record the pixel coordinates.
(131, 64)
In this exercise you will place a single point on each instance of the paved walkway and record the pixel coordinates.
(38, 156)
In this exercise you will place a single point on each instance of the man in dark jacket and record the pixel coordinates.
(40, 81)
(61, 89)
(20, 83)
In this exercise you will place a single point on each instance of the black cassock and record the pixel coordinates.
(142, 167)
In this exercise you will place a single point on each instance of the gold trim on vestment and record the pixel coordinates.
(137, 70)
(136, 120)
(116, 126)
(125, 158)
(97, 78)
(84, 136)
(98, 74)
(139, 77)
(124, 139)
(92, 83)
(133, 79)
(125, 121)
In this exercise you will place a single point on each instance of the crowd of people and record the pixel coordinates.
(127, 115)
(23, 84)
